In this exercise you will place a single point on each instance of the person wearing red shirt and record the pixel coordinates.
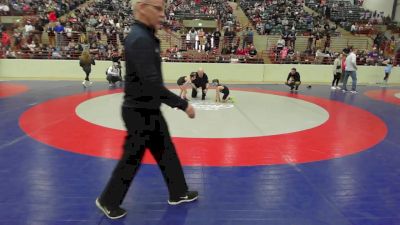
(240, 51)
(5, 39)
(52, 16)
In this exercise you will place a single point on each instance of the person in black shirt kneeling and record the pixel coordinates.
(293, 80)
(201, 81)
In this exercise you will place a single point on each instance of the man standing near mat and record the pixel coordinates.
(351, 71)
(146, 126)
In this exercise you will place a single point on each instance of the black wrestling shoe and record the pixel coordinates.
(189, 196)
(111, 213)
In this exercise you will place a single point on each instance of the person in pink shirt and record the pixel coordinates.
(5, 39)
(284, 53)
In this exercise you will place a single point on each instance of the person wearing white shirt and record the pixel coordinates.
(68, 31)
(353, 28)
(113, 75)
(351, 70)
(4, 8)
(28, 29)
(280, 44)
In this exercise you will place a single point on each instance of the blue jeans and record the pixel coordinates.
(353, 75)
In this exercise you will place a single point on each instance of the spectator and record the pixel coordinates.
(114, 75)
(388, 71)
(5, 40)
(252, 52)
(4, 9)
(59, 31)
(337, 71)
(52, 17)
(351, 70)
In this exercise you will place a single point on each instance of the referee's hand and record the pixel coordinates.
(190, 111)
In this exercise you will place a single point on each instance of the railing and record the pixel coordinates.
(304, 58)
(210, 58)
(170, 39)
(202, 57)
(337, 43)
(190, 57)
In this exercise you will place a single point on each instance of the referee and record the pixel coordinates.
(201, 81)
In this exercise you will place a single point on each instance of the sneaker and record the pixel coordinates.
(189, 196)
(90, 83)
(84, 83)
(111, 213)
(338, 88)
(344, 90)
(232, 99)
(353, 92)
(333, 88)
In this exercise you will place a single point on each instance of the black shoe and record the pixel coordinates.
(189, 196)
(111, 213)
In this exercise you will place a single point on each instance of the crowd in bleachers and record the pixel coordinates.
(101, 27)
(36, 7)
(214, 46)
(211, 45)
(352, 17)
(197, 9)
(189, 9)
(287, 55)
(287, 17)
(24, 38)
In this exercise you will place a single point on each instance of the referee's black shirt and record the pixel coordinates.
(144, 85)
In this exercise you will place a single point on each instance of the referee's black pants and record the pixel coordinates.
(194, 91)
(147, 128)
